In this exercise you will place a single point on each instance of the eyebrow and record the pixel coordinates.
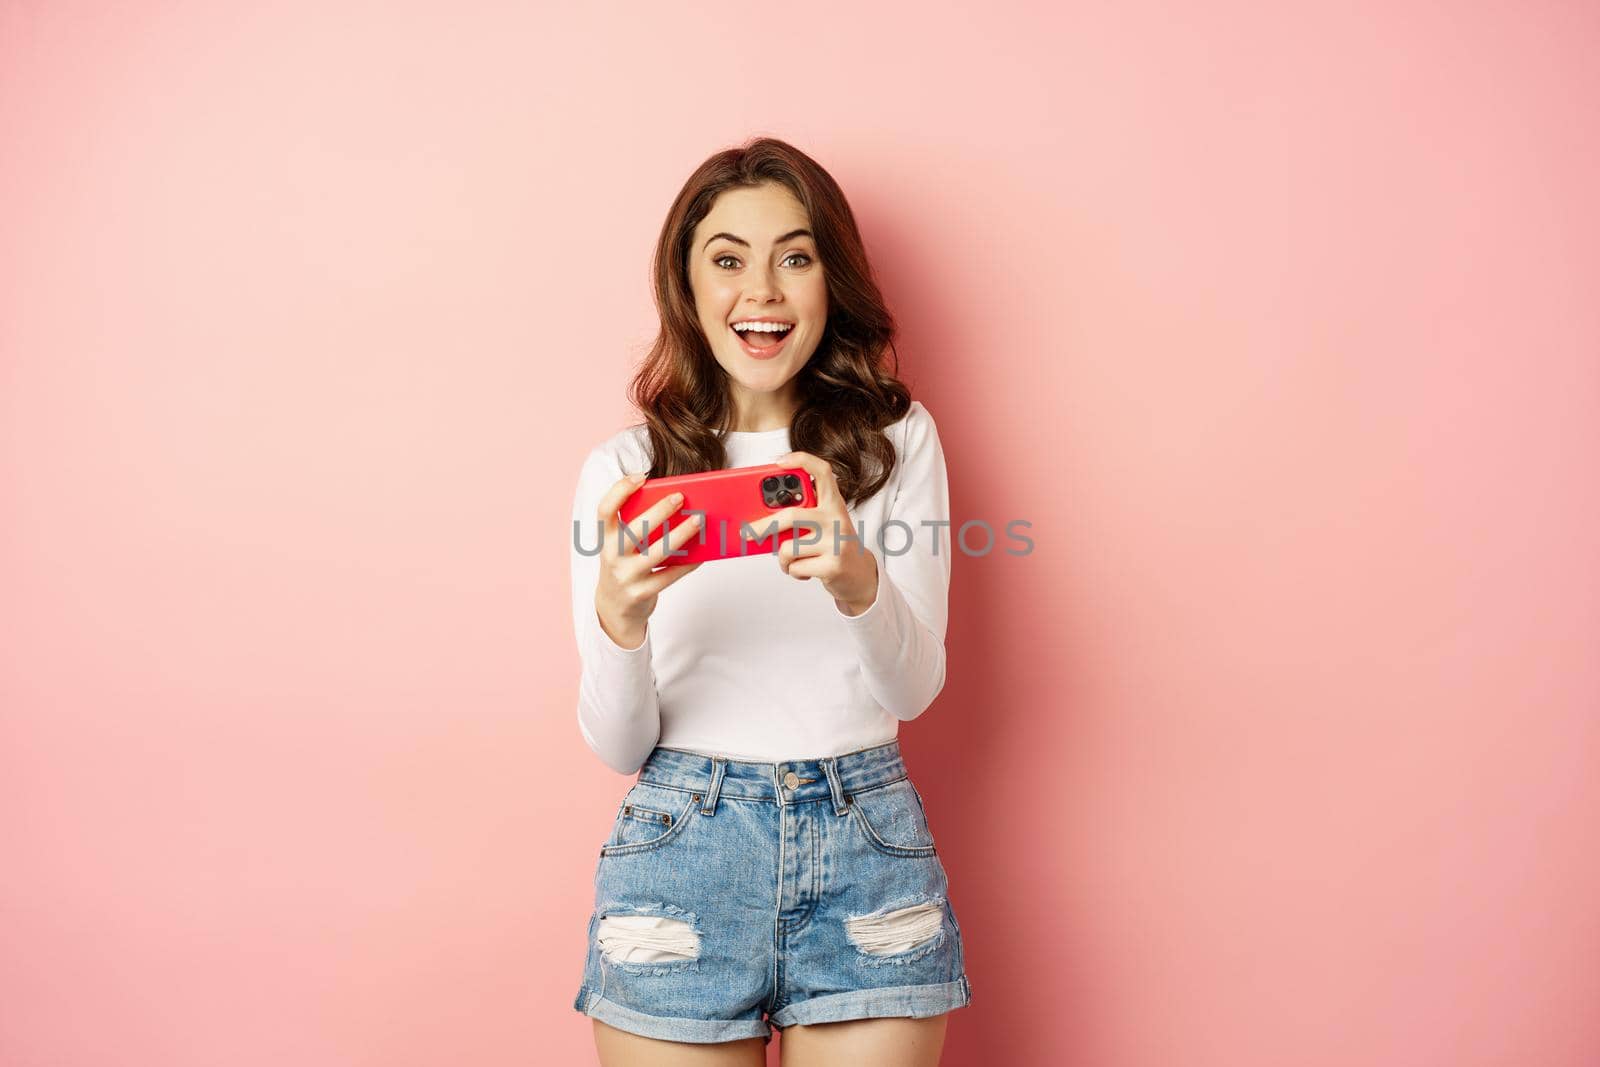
(741, 241)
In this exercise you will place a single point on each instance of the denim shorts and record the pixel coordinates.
(734, 896)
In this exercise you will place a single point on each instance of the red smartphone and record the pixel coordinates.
(730, 499)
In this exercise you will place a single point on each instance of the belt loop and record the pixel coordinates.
(840, 805)
(709, 805)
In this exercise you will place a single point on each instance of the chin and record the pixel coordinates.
(768, 383)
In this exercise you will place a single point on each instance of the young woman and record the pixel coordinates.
(772, 864)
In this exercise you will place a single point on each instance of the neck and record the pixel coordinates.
(758, 415)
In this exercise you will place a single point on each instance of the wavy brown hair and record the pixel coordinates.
(846, 396)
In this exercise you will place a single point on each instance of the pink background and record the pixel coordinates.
(1278, 322)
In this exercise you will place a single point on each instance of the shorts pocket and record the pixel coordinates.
(650, 816)
(892, 819)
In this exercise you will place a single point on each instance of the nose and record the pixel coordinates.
(763, 285)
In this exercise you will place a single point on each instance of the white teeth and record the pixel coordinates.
(763, 327)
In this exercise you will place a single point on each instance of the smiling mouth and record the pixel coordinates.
(762, 345)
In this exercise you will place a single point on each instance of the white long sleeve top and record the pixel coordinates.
(741, 660)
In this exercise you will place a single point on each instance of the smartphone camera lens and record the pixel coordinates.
(791, 482)
(770, 483)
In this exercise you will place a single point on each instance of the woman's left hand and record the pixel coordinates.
(850, 573)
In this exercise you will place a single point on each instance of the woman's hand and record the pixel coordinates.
(625, 595)
(850, 573)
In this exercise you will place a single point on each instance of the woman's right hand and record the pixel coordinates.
(625, 595)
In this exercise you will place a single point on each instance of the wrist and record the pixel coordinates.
(628, 636)
(853, 606)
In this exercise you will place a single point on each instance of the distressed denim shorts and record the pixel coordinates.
(733, 896)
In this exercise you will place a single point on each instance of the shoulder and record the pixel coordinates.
(625, 452)
(919, 467)
(628, 449)
(915, 430)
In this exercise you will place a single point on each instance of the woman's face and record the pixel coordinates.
(753, 257)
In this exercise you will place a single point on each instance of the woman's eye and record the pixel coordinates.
(792, 255)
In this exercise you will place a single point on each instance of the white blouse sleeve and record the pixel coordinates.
(899, 639)
(618, 711)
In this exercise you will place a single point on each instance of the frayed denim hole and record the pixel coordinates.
(866, 959)
(652, 938)
(899, 934)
